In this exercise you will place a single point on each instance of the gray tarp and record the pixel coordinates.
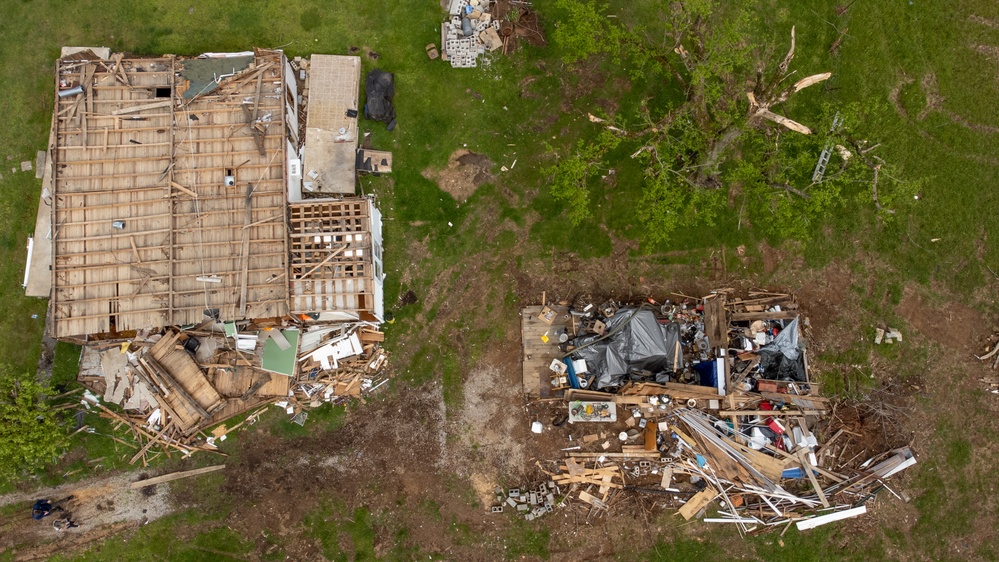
(640, 343)
(781, 358)
(380, 89)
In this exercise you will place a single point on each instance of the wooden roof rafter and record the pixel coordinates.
(141, 201)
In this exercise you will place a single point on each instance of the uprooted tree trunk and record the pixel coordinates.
(761, 99)
(766, 94)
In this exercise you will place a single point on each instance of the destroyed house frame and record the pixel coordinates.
(170, 185)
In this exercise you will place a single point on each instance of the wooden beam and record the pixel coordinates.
(324, 262)
(143, 107)
(181, 188)
(807, 467)
(174, 476)
(636, 454)
(262, 221)
(245, 255)
(725, 413)
(150, 443)
(750, 316)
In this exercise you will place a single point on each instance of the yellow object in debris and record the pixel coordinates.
(124, 346)
(544, 337)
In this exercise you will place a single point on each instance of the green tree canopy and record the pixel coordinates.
(728, 126)
(30, 435)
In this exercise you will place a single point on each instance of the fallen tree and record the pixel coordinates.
(733, 103)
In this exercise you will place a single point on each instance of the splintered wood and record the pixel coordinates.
(344, 367)
(145, 180)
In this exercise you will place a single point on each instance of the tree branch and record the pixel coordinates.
(788, 188)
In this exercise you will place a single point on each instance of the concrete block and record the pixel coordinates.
(40, 164)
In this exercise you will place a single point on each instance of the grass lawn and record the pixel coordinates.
(929, 66)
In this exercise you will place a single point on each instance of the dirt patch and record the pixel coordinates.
(522, 23)
(465, 172)
(953, 324)
(934, 101)
(994, 24)
(824, 297)
(100, 505)
(771, 258)
(895, 95)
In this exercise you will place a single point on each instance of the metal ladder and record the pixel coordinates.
(820, 166)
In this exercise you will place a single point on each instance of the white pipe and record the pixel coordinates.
(27, 268)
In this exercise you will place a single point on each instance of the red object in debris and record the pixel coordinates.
(774, 332)
(766, 406)
(651, 301)
(775, 426)
(766, 386)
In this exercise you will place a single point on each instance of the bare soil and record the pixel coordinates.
(96, 505)
(465, 172)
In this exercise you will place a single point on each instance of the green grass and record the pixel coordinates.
(326, 417)
(512, 223)
(527, 540)
(683, 548)
(206, 540)
(65, 366)
(349, 534)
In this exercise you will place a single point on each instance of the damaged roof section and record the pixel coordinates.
(180, 232)
(336, 260)
(172, 387)
(168, 192)
(331, 128)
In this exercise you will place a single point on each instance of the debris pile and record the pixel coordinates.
(175, 385)
(531, 503)
(341, 368)
(701, 400)
(470, 32)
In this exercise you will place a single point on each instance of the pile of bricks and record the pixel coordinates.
(461, 50)
(531, 503)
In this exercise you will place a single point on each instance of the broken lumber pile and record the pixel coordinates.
(703, 402)
(341, 368)
(174, 385)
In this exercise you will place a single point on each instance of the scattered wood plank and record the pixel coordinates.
(174, 476)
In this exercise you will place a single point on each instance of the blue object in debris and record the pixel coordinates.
(795, 473)
(708, 373)
(701, 461)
